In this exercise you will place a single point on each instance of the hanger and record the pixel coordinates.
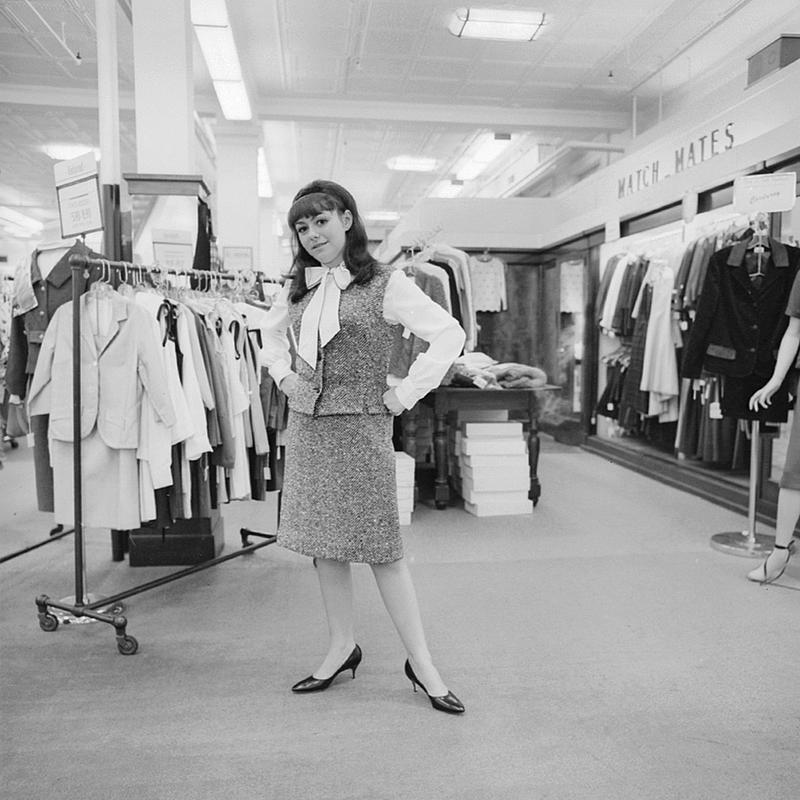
(759, 242)
(485, 256)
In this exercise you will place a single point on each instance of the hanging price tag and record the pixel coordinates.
(715, 410)
(78, 194)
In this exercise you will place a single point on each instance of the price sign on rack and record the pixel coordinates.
(766, 193)
(173, 250)
(78, 194)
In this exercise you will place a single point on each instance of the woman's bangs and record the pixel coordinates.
(309, 206)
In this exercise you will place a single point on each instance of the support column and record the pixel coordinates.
(108, 122)
(163, 91)
(237, 220)
(164, 101)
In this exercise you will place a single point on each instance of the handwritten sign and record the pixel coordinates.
(776, 192)
(237, 258)
(173, 249)
(78, 194)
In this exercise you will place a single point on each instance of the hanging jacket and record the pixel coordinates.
(738, 326)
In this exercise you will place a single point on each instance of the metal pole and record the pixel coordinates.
(77, 467)
(755, 481)
(748, 543)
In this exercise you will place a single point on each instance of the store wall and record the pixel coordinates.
(686, 154)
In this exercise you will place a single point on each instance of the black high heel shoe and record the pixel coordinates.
(312, 684)
(448, 703)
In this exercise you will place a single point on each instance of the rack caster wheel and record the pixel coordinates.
(48, 622)
(127, 645)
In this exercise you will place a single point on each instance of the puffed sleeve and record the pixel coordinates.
(404, 303)
(275, 353)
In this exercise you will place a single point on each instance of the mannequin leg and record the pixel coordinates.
(336, 586)
(397, 591)
(787, 516)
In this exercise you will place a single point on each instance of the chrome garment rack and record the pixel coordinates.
(108, 609)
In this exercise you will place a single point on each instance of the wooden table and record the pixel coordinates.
(451, 398)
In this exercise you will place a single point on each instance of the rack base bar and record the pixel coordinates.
(55, 535)
(743, 543)
(127, 645)
(269, 538)
(99, 605)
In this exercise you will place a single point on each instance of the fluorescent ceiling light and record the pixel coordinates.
(483, 152)
(233, 100)
(210, 20)
(445, 189)
(382, 216)
(14, 218)
(264, 183)
(412, 163)
(219, 51)
(209, 12)
(496, 23)
(64, 152)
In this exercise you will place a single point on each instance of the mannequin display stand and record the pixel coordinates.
(81, 606)
(748, 544)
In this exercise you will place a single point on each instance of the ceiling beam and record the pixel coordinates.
(57, 97)
(500, 117)
(320, 110)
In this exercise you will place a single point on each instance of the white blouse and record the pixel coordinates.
(404, 303)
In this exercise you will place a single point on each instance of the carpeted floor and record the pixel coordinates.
(602, 648)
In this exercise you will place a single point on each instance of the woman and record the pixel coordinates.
(342, 312)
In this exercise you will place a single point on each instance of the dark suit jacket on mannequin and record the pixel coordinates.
(739, 325)
(25, 341)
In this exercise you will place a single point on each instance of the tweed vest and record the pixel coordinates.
(350, 376)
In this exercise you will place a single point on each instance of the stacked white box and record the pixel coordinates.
(454, 436)
(493, 467)
(404, 470)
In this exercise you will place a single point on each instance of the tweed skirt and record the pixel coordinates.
(339, 488)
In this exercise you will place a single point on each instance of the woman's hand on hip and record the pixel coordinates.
(392, 403)
(289, 384)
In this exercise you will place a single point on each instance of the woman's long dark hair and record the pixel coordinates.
(312, 199)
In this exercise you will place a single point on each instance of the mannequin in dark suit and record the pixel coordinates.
(789, 492)
(739, 324)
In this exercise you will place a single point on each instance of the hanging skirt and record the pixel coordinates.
(339, 488)
(109, 481)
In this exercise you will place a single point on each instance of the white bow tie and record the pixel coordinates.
(321, 317)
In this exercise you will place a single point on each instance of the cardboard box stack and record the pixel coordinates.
(492, 467)
(404, 470)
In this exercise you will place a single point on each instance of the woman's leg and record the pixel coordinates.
(397, 590)
(336, 585)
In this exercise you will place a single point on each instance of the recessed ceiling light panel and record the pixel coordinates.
(412, 163)
(382, 216)
(496, 23)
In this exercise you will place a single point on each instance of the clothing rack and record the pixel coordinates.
(83, 606)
